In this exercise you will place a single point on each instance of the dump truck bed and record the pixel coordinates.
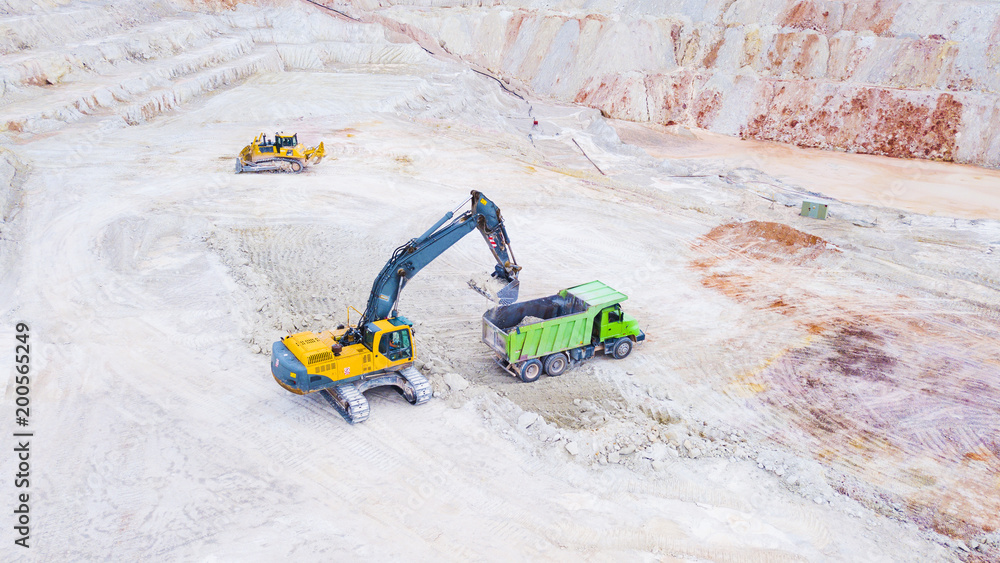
(563, 321)
(547, 325)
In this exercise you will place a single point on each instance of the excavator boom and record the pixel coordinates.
(378, 350)
(410, 258)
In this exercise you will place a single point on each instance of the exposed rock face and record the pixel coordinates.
(916, 79)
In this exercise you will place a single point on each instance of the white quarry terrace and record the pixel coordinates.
(808, 390)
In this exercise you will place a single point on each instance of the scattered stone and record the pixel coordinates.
(572, 447)
(256, 349)
(614, 457)
(455, 382)
(818, 500)
(526, 420)
(687, 444)
(694, 452)
(627, 450)
(656, 452)
(659, 465)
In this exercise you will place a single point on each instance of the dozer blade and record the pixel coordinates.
(315, 154)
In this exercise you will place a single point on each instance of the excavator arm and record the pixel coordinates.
(410, 258)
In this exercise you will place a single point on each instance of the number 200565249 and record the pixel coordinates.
(22, 360)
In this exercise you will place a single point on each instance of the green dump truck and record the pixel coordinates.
(553, 333)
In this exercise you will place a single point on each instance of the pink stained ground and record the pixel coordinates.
(920, 186)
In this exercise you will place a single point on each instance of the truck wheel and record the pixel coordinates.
(623, 347)
(296, 166)
(531, 371)
(555, 365)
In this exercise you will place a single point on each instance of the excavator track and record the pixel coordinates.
(417, 389)
(349, 398)
(349, 402)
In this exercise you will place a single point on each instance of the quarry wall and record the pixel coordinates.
(911, 79)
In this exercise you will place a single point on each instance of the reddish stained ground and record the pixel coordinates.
(869, 15)
(765, 240)
(706, 107)
(669, 96)
(897, 393)
(612, 94)
(795, 52)
(809, 15)
(713, 53)
(872, 121)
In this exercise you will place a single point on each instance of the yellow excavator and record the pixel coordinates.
(378, 350)
(284, 154)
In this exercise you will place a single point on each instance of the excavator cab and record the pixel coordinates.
(396, 345)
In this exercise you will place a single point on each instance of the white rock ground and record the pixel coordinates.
(154, 280)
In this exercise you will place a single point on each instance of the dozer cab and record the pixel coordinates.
(283, 154)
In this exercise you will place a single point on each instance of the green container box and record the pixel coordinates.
(813, 209)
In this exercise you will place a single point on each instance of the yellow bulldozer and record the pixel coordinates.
(283, 154)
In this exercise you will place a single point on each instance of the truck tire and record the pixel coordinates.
(622, 348)
(530, 371)
(555, 364)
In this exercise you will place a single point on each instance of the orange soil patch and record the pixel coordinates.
(763, 240)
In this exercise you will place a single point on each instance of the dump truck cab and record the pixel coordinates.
(613, 323)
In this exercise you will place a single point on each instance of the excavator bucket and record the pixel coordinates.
(508, 294)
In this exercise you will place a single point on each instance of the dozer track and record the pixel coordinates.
(269, 165)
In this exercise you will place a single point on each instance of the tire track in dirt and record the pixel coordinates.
(878, 378)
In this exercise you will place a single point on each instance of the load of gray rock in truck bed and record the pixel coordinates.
(529, 320)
